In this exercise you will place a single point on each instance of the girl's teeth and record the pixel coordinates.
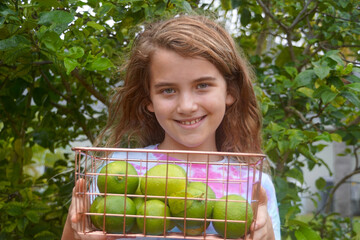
(191, 122)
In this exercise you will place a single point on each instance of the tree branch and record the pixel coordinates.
(333, 190)
(13, 124)
(354, 122)
(81, 123)
(301, 116)
(87, 86)
(267, 12)
(52, 87)
(42, 63)
(303, 14)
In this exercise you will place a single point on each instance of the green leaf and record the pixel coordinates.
(18, 147)
(22, 223)
(14, 209)
(186, 6)
(100, 64)
(245, 17)
(16, 41)
(328, 96)
(304, 78)
(270, 145)
(299, 235)
(353, 86)
(57, 21)
(40, 96)
(322, 71)
(9, 227)
(325, 136)
(45, 235)
(105, 8)
(320, 183)
(3, 185)
(32, 215)
(348, 69)
(48, 3)
(52, 40)
(304, 150)
(70, 64)
(336, 137)
(226, 4)
(296, 174)
(334, 55)
(55, 17)
(27, 193)
(306, 91)
(308, 233)
(295, 138)
(237, 3)
(325, 94)
(291, 71)
(351, 97)
(74, 52)
(96, 26)
(283, 146)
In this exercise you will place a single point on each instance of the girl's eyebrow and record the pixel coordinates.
(205, 78)
(170, 84)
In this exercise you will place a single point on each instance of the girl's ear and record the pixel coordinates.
(229, 100)
(150, 107)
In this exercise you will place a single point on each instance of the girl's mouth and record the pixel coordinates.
(191, 122)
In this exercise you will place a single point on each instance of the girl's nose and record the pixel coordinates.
(187, 104)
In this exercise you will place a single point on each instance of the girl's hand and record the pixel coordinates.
(263, 228)
(75, 221)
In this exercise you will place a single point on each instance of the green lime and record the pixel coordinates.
(235, 211)
(114, 205)
(157, 186)
(138, 201)
(154, 226)
(210, 193)
(194, 208)
(94, 208)
(117, 184)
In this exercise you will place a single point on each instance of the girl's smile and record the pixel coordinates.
(189, 98)
(190, 122)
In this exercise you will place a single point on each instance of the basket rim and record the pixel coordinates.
(145, 150)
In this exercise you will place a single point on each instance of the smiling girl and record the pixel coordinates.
(188, 87)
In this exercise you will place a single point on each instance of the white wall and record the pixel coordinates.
(352, 195)
(310, 177)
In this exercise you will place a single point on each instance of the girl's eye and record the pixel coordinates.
(168, 91)
(202, 85)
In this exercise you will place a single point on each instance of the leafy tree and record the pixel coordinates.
(306, 55)
(58, 64)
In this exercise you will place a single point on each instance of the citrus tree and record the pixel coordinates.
(59, 62)
(306, 57)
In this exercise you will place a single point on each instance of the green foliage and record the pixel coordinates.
(32, 208)
(57, 67)
(306, 58)
(58, 64)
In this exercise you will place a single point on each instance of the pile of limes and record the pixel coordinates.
(189, 202)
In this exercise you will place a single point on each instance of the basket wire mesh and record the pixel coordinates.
(237, 173)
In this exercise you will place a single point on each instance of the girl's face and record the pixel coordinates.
(188, 97)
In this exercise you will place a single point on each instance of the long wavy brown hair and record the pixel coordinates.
(188, 36)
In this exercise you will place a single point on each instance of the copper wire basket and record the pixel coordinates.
(236, 173)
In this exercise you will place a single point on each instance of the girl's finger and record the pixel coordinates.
(79, 203)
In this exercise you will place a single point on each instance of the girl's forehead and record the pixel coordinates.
(170, 67)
